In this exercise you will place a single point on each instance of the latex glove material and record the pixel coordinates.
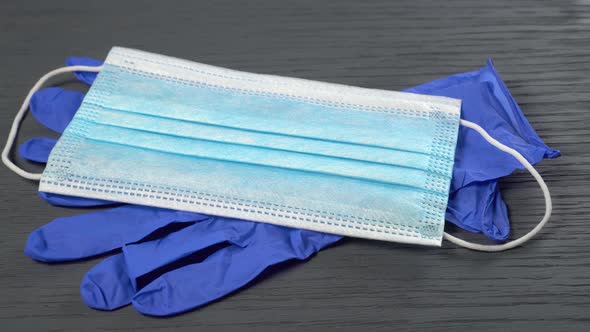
(94, 233)
(55, 107)
(475, 203)
(72, 201)
(37, 149)
(487, 102)
(241, 250)
(114, 282)
(152, 240)
(84, 76)
(486, 214)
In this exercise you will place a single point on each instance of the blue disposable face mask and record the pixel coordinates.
(155, 130)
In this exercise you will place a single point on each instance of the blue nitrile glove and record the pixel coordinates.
(55, 108)
(171, 261)
(84, 76)
(114, 282)
(156, 243)
(487, 102)
(474, 205)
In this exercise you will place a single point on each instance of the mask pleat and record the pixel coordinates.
(263, 157)
(264, 140)
(272, 114)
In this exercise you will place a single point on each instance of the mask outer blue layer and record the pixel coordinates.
(160, 131)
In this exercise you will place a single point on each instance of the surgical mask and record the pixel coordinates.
(159, 131)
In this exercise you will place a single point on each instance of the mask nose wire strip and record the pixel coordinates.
(534, 173)
(23, 111)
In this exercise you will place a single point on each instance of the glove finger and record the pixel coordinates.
(73, 201)
(106, 286)
(145, 257)
(225, 271)
(496, 224)
(195, 285)
(37, 149)
(112, 283)
(84, 76)
(55, 107)
(479, 208)
(94, 233)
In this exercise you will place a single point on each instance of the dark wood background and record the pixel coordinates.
(542, 50)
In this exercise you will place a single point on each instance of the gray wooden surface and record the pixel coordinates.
(542, 50)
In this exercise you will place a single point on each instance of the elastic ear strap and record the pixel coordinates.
(533, 171)
(23, 111)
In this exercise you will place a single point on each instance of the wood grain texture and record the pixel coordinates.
(542, 50)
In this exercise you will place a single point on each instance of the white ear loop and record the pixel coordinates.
(480, 247)
(21, 114)
(533, 171)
